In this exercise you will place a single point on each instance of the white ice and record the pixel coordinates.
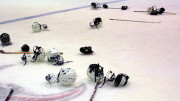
(148, 53)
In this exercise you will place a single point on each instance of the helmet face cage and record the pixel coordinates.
(56, 60)
(54, 57)
(39, 54)
(5, 39)
(51, 78)
(110, 76)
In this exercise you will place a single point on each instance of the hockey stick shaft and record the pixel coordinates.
(3, 52)
(95, 89)
(9, 95)
(114, 8)
(134, 21)
(164, 12)
(139, 11)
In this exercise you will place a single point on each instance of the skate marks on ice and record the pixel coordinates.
(5, 66)
(21, 94)
(50, 13)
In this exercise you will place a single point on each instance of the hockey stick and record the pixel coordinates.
(117, 8)
(9, 95)
(95, 89)
(134, 21)
(3, 52)
(163, 12)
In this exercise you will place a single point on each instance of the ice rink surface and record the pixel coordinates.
(149, 53)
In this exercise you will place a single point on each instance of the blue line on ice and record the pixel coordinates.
(50, 13)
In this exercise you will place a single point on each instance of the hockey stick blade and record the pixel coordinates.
(134, 21)
(170, 13)
(3, 52)
(95, 89)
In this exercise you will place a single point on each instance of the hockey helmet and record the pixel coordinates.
(95, 72)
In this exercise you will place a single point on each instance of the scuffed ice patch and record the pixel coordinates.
(5, 66)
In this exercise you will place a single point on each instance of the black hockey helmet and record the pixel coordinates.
(25, 48)
(5, 39)
(121, 80)
(161, 10)
(105, 6)
(97, 21)
(94, 5)
(152, 10)
(86, 50)
(124, 7)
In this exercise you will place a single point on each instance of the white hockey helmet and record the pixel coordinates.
(36, 27)
(66, 76)
(39, 54)
(54, 56)
(95, 72)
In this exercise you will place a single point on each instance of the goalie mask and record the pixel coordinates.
(54, 56)
(39, 54)
(66, 76)
(5, 39)
(95, 72)
(97, 22)
(121, 79)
